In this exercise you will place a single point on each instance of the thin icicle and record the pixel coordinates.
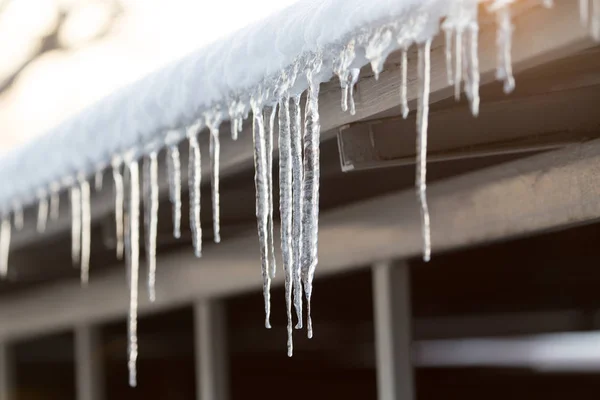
(297, 200)
(54, 201)
(134, 257)
(152, 218)
(404, 84)
(285, 209)
(504, 34)
(449, 36)
(458, 68)
(84, 187)
(42, 214)
(4, 245)
(474, 75)
(310, 214)
(354, 74)
(262, 198)
(18, 219)
(271, 113)
(174, 173)
(213, 122)
(194, 182)
(341, 67)
(98, 180)
(119, 199)
(75, 195)
(422, 126)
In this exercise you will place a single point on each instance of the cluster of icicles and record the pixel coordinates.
(298, 156)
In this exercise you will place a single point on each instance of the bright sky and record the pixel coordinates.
(147, 35)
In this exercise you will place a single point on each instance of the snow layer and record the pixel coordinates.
(213, 77)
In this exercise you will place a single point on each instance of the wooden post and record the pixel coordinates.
(89, 371)
(211, 350)
(392, 310)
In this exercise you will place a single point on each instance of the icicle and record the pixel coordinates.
(213, 121)
(271, 113)
(152, 217)
(404, 84)
(42, 215)
(18, 219)
(354, 74)
(194, 181)
(4, 245)
(378, 48)
(75, 195)
(422, 126)
(310, 214)
(134, 257)
(119, 199)
(262, 198)
(449, 35)
(341, 67)
(98, 181)
(174, 173)
(458, 68)
(297, 208)
(84, 187)
(285, 209)
(504, 42)
(54, 201)
(474, 76)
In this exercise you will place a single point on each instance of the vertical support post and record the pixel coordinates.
(89, 371)
(211, 350)
(7, 372)
(392, 310)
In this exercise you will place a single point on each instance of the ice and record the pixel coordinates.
(473, 67)
(378, 48)
(449, 36)
(354, 74)
(310, 212)
(174, 176)
(4, 245)
(54, 201)
(341, 67)
(134, 258)
(504, 45)
(262, 199)
(404, 84)
(42, 214)
(270, 113)
(194, 182)
(18, 219)
(119, 204)
(297, 200)
(213, 121)
(75, 196)
(236, 110)
(285, 209)
(151, 211)
(422, 126)
(84, 188)
(98, 180)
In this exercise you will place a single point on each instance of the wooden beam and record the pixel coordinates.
(541, 35)
(7, 372)
(211, 350)
(89, 376)
(393, 326)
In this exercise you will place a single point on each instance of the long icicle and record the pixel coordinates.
(134, 243)
(474, 75)
(271, 113)
(262, 198)
(119, 199)
(215, 155)
(404, 84)
(422, 126)
(85, 230)
(152, 217)
(4, 245)
(75, 196)
(504, 34)
(174, 173)
(297, 199)
(54, 201)
(42, 215)
(352, 80)
(194, 181)
(285, 210)
(310, 229)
